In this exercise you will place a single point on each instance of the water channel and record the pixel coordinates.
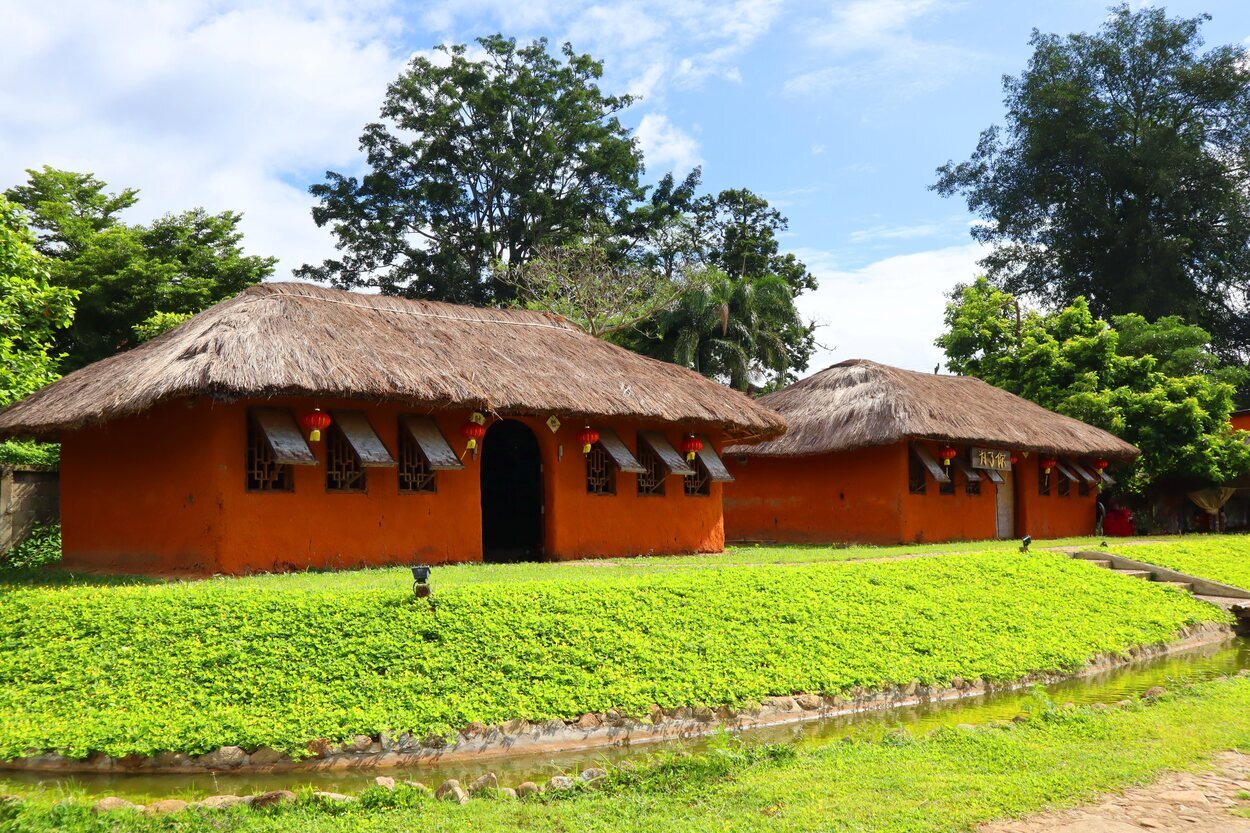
(1191, 665)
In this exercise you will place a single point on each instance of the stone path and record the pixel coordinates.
(1191, 802)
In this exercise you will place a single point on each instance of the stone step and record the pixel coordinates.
(1106, 565)
(1134, 573)
(1179, 585)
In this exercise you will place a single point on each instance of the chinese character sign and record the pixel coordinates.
(991, 458)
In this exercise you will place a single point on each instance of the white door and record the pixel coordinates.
(1006, 506)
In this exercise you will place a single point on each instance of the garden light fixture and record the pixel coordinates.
(420, 576)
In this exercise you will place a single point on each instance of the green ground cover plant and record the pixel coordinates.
(190, 666)
(1223, 558)
(950, 781)
(42, 546)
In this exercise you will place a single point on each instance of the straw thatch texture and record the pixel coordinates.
(858, 403)
(299, 339)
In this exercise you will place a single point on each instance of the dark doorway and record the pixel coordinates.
(512, 494)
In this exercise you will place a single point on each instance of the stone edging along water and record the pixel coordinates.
(592, 730)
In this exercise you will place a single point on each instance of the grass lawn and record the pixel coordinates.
(1223, 558)
(189, 666)
(950, 781)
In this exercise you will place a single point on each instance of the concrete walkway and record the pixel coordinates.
(1192, 802)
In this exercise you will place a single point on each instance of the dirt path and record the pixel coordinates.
(1193, 802)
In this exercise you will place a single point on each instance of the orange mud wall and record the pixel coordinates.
(165, 492)
(862, 496)
(1241, 421)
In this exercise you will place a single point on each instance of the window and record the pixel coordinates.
(264, 472)
(915, 474)
(600, 471)
(1082, 488)
(415, 474)
(1065, 486)
(948, 488)
(972, 487)
(698, 484)
(1043, 480)
(344, 473)
(651, 480)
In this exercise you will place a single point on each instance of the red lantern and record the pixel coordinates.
(473, 431)
(1047, 463)
(314, 422)
(1100, 464)
(691, 446)
(587, 437)
(947, 453)
(1015, 458)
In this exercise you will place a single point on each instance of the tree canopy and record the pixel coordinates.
(1155, 384)
(1122, 176)
(479, 158)
(125, 274)
(32, 310)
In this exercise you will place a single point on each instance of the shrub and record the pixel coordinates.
(27, 453)
(38, 549)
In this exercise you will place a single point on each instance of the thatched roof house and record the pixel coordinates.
(859, 403)
(279, 339)
(295, 426)
(883, 455)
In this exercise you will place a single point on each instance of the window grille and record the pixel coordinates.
(264, 473)
(948, 488)
(1082, 488)
(344, 473)
(972, 487)
(600, 472)
(651, 481)
(1043, 481)
(415, 474)
(698, 484)
(1065, 486)
(915, 474)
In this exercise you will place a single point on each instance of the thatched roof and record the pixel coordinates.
(279, 339)
(859, 403)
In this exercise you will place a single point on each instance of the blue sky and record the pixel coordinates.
(838, 112)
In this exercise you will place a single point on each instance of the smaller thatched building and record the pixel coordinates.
(880, 455)
(295, 426)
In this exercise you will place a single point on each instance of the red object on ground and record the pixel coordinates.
(1119, 522)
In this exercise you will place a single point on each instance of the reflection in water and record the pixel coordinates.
(1107, 687)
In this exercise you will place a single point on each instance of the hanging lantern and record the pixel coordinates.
(1015, 458)
(587, 437)
(947, 453)
(314, 422)
(1047, 463)
(473, 432)
(691, 446)
(1100, 464)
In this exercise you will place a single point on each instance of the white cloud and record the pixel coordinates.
(894, 232)
(666, 146)
(871, 42)
(888, 311)
(200, 103)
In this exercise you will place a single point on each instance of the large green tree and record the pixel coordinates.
(479, 158)
(32, 310)
(1122, 175)
(128, 274)
(1157, 385)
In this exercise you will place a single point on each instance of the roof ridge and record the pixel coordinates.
(278, 288)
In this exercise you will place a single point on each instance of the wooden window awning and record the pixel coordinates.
(424, 431)
(362, 438)
(284, 437)
(1106, 478)
(1081, 471)
(930, 462)
(712, 461)
(1065, 471)
(968, 471)
(667, 454)
(994, 476)
(619, 452)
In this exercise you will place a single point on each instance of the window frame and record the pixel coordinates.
(257, 444)
(336, 443)
(599, 458)
(656, 471)
(410, 455)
